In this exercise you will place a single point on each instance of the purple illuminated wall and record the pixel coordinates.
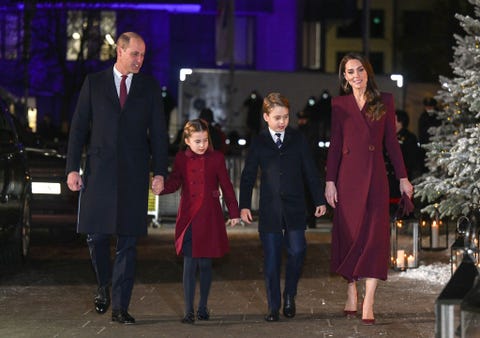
(154, 27)
(276, 47)
(174, 40)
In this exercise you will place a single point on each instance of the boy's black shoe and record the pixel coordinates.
(289, 309)
(272, 316)
(122, 317)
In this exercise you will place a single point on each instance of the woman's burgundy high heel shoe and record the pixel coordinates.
(368, 321)
(348, 313)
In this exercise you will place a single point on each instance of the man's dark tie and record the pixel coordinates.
(123, 91)
(278, 140)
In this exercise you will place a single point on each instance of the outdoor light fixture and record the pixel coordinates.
(109, 39)
(398, 78)
(459, 291)
(466, 243)
(448, 303)
(134, 5)
(434, 233)
(404, 240)
(470, 312)
(323, 144)
(184, 72)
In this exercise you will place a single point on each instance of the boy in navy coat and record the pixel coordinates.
(285, 161)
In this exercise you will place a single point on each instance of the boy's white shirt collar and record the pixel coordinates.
(274, 137)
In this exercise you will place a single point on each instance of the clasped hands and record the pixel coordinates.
(157, 184)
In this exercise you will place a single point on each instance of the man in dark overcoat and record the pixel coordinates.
(119, 120)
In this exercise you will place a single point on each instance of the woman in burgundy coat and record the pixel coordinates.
(363, 122)
(200, 232)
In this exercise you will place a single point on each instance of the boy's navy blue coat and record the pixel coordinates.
(283, 171)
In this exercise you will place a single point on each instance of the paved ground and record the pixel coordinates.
(52, 295)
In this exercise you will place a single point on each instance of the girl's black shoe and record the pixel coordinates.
(189, 318)
(203, 314)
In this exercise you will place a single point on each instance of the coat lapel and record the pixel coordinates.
(287, 137)
(267, 138)
(111, 90)
(134, 87)
(359, 115)
(137, 86)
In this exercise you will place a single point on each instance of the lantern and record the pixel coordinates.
(404, 244)
(470, 312)
(466, 242)
(470, 306)
(474, 234)
(448, 303)
(434, 233)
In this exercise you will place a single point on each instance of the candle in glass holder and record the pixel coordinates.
(400, 258)
(411, 261)
(434, 234)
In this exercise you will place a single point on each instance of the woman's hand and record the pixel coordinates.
(331, 193)
(406, 187)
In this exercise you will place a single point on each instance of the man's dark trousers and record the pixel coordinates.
(123, 273)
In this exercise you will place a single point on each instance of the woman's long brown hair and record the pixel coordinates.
(374, 105)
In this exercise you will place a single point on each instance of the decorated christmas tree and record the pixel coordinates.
(452, 185)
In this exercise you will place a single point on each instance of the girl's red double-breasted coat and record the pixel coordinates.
(200, 177)
(360, 233)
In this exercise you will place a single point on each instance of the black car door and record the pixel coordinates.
(12, 173)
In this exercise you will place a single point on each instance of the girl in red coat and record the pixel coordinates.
(356, 181)
(200, 233)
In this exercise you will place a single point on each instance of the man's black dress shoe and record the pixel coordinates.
(272, 316)
(102, 300)
(289, 306)
(122, 317)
